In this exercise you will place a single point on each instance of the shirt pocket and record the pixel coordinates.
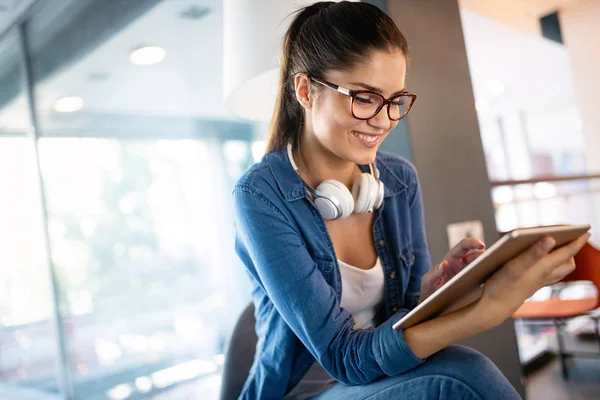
(325, 265)
(407, 255)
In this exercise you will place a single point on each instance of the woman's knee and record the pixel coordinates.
(473, 369)
(465, 360)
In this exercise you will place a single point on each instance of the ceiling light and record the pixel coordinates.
(195, 13)
(68, 104)
(148, 55)
(98, 76)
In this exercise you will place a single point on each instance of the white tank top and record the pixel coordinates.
(362, 292)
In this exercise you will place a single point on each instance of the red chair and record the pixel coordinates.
(587, 263)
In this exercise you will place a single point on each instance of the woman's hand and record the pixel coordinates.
(454, 261)
(502, 295)
(525, 274)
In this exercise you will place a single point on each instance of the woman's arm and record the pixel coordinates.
(503, 293)
(276, 256)
(436, 334)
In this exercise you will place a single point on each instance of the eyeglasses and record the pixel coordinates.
(365, 104)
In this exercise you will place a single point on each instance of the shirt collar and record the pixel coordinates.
(292, 188)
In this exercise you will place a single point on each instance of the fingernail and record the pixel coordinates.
(548, 244)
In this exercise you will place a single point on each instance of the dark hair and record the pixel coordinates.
(326, 36)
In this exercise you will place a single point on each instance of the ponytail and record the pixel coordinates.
(288, 117)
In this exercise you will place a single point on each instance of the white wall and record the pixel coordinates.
(580, 24)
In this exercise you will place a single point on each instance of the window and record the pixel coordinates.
(138, 156)
(28, 341)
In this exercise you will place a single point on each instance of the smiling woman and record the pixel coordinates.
(328, 217)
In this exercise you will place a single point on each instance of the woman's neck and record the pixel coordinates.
(317, 164)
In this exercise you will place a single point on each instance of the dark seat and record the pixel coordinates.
(239, 355)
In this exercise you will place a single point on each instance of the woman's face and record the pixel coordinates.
(330, 118)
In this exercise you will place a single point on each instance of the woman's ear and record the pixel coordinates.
(302, 88)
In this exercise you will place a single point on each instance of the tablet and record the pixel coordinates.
(467, 286)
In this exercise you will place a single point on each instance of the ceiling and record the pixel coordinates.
(10, 10)
(536, 8)
(188, 83)
(520, 14)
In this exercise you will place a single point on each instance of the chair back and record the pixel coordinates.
(239, 355)
(587, 262)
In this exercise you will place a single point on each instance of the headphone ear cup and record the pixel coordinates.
(364, 191)
(334, 200)
(380, 195)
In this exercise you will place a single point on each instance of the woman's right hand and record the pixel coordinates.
(522, 276)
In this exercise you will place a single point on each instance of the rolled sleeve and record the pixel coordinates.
(391, 350)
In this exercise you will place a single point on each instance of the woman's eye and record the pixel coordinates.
(363, 99)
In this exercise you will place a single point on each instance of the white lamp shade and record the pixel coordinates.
(254, 99)
(252, 40)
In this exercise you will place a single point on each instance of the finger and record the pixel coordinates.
(532, 255)
(561, 257)
(464, 246)
(445, 273)
(561, 271)
(441, 267)
(434, 273)
(547, 269)
(472, 256)
(566, 252)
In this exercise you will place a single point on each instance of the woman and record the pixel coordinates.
(331, 277)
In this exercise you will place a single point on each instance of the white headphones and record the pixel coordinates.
(334, 200)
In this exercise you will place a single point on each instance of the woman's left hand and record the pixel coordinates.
(455, 260)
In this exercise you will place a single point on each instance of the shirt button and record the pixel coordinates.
(393, 275)
(394, 309)
(381, 243)
(413, 257)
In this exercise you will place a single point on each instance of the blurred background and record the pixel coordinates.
(118, 152)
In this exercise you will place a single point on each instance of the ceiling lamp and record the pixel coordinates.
(148, 55)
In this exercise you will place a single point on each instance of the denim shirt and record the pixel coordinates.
(287, 251)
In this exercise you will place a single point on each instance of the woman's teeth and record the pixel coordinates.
(367, 138)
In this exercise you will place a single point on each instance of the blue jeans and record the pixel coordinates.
(456, 372)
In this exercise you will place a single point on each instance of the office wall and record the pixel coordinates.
(446, 144)
(581, 28)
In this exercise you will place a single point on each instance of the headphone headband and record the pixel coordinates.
(372, 167)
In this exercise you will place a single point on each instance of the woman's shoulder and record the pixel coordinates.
(257, 173)
(267, 177)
